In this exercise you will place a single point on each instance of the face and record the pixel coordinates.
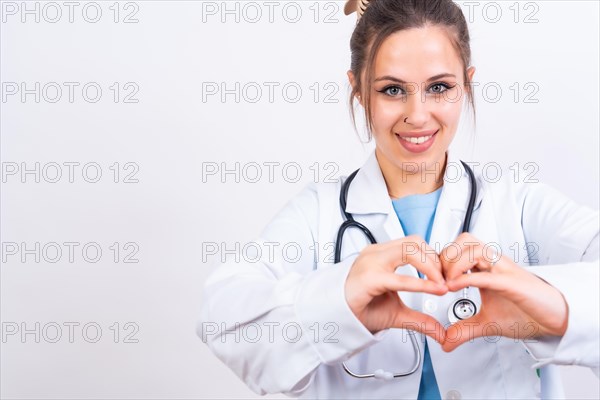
(416, 99)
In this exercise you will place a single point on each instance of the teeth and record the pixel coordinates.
(417, 140)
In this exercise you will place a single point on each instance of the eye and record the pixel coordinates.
(436, 88)
(440, 87)
(390, 90)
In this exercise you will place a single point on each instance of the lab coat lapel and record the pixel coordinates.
(368, 192)
(452, 205)
(370, 204)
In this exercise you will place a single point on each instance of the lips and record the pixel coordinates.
(417, 142)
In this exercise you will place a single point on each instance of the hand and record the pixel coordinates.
(515, 302)
(372, 285)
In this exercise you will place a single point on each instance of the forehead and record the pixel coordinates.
(417, 53)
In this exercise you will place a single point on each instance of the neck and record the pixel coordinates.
(411, 178)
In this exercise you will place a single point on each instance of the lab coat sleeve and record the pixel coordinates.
(300, 313)
(564, 237)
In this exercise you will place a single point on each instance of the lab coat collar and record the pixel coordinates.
(368, 192)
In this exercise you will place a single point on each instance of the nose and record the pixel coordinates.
(415, 109)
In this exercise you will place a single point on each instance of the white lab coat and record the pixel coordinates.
(294, 327)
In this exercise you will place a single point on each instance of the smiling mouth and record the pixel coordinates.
(417, 140)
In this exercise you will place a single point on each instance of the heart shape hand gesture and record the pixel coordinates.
(515, 302)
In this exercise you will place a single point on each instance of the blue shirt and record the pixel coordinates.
(416, 214)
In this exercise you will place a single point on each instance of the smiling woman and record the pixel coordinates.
(414, 122)
(417, 303)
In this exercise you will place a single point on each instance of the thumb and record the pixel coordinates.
(463, 331)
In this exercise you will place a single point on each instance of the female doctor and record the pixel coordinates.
(473, 289)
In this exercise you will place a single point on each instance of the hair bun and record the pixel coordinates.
(356, 5)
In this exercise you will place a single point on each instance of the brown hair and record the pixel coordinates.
(384, 17)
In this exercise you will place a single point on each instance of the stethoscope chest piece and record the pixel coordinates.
(462, 308)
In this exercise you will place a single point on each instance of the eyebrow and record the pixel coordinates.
(433, 78)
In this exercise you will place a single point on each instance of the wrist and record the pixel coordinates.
(559, 303)
(565, 322)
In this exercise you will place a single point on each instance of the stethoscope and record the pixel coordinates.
(462, 308)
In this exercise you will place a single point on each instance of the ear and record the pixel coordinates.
(353, 84)
(470, 73)
(351, 78)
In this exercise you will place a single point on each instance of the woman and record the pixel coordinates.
(386, 311)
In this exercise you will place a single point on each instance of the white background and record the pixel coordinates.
(171, 132)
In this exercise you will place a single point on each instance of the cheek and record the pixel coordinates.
(448, 113)
(385, 112)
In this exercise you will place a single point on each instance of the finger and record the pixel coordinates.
(432, 255)
(397, 251)
(489, 252)
(413, 242)
(403, 283)
(417, 321)
(402, 252)
(479, 280)
(422, 257)
(457, 257)
(460, 258)
(423, 263)
(462, 332)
